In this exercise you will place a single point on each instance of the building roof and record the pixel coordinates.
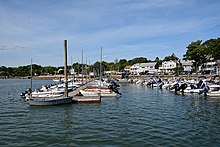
(186, 62)
(169, 62)
(148, 64)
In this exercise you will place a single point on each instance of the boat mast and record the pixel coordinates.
(65, 68)
(82, 67)
(31, 79)
(100, 73)
(101, 66)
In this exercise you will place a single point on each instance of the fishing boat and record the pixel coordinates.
(48, 99)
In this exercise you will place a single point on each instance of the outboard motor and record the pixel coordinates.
(182, 88)
(175, 86)
(160, 85)
(114, 88)
(204, 90)
(23, 94)
(192, 86)
(116, 91)
(200, 84)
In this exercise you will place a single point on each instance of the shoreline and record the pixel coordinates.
(188, 77)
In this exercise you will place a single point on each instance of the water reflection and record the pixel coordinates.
(67, 122)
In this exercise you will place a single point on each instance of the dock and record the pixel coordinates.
(86, 99)
(83, 99)
(76, 91)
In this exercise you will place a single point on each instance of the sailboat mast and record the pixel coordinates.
(82, 67)
(65, 69)
(100, 73)
(31, 79)
(101, 66)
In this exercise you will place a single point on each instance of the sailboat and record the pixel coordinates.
(53, 100)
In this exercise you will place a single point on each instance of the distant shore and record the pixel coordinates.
(51, 77)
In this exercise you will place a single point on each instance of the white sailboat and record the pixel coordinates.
(50, 99)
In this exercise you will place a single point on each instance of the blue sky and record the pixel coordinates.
(124, 28)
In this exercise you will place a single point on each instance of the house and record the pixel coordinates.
(72, 71)
(212, 67)
(218, 67)
(168, 66)
(127, 68)
(187, 65)
(143, 68)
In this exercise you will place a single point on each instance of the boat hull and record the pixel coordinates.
(48, 101)
(96, 93)
(214, 94)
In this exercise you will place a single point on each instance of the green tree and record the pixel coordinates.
(159, 62)
(138, 60)
(213, 48)
(178, 69)
(122, 63)
(76, 66)
(3, 71)
(96, 66)
(105, 66)
(197, 52)
(113, 66)
(36, 69)
(49, 70)
(172, 57)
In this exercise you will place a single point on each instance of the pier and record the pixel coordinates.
(83, 99)
(87, 99)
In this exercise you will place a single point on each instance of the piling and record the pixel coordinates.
(65, 69)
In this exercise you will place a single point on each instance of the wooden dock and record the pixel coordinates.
(76, 91)
(83, 99)
(86, 99)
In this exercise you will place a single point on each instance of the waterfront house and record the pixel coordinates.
(168, 66)
(212, 67)
(187, 65)
(218, 67)
(143, 68)
(127, 68)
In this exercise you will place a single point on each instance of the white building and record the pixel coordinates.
(168, 66)
(212, 66)
(127, 68)
(187, 65)
(72, 71)
(142, 68)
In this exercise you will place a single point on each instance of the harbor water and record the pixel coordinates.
(140, 117)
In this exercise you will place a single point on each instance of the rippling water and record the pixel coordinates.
(141, 117)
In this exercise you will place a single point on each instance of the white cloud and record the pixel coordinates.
(122, 27)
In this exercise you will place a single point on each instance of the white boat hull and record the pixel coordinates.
(214, 94)
(49, 101)
(96, 93)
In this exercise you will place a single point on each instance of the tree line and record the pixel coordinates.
(198, 51)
